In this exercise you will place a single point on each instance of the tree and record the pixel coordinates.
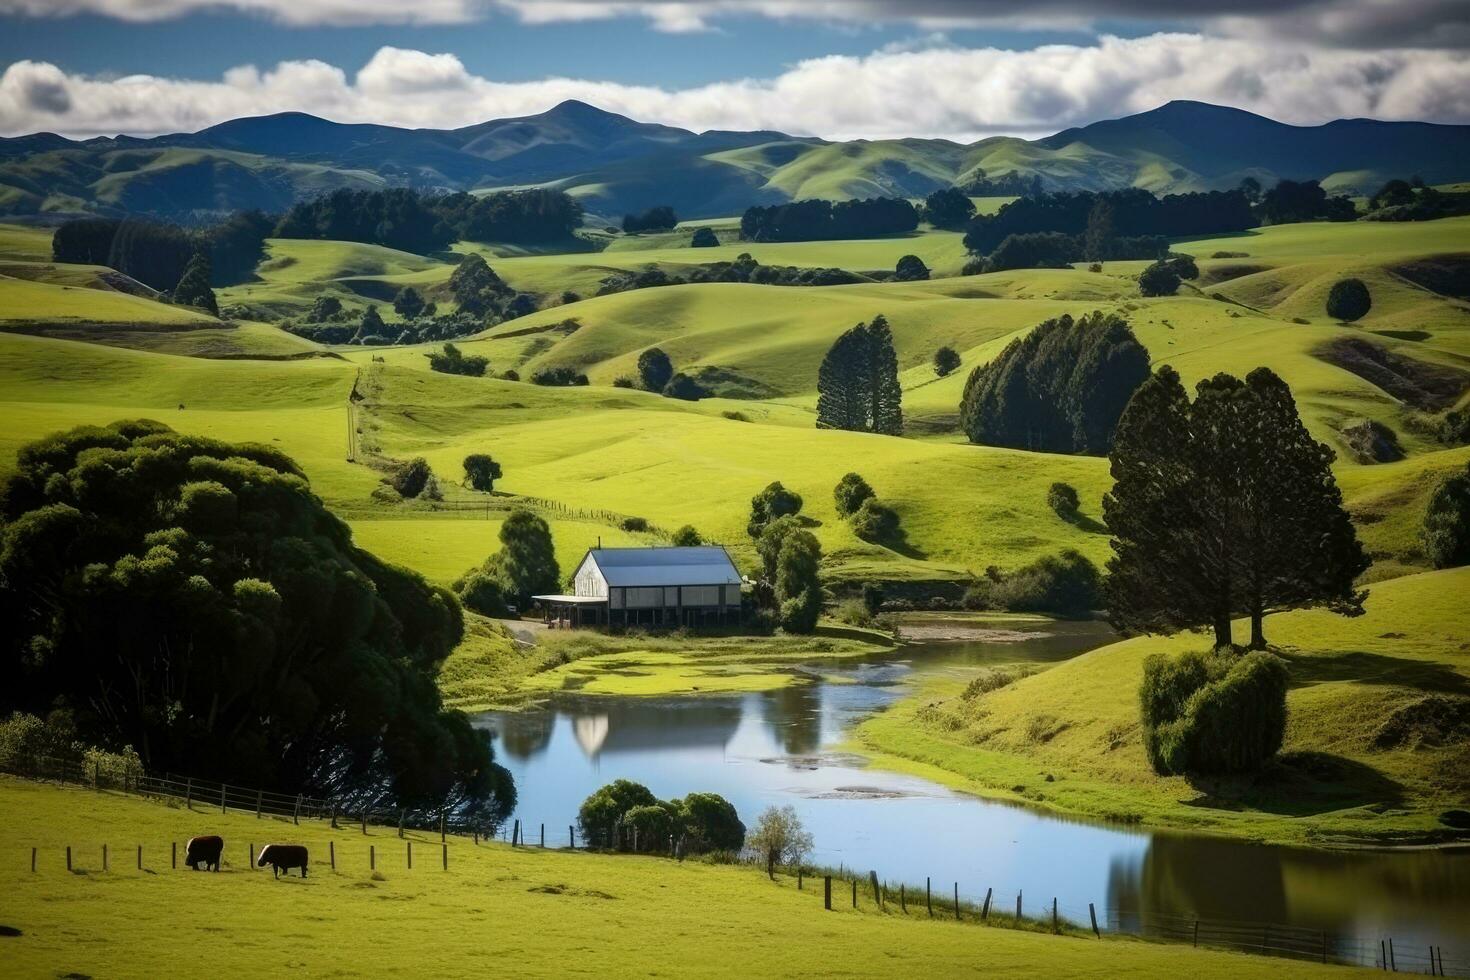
(1098, 237)
(773, 502)
(946, 360)
(408, 303)
(601, 813)
(371, 325)
(324, 308)
(1251, 188)
(685, 388)
(1446, 531)
(910, 268)
(857, 383)
(1212, 714)
(704, 238)
(654, 369)
(687, 537)
(196, 600)
(452, 360)
(1348, 300)
(660, 218)
(410, 478)
(478, 591)
(1182, 266)
(949, 208)
(875, 521)
(850, 493)
(526, 562)
(474, 285)
(710, 823)
(798, 584)
(779, 839)
(1062, 498)
(193, 288)
(768, 544)
(1159, 279)
(480, 472)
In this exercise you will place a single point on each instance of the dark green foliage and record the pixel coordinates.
(772, 502)
(1446, 531)
(601, 813)
(452, 360)
(372, 324)
(324, 308)
(1292, 201)
(559, 377)
(476, 288)
(1099, 231)
(1062, 498)
(857, 383)
(661, 218)
(1221, 507)
(194, 599)
(152, 253)
(768, 542)
(634, 524)
(410, 478)
(910, 268)
(875, 521)
(850, 493)
(1159, 279)
(1454, 428)
(687, 537)
(1037, 250)
(709, 823)
(1392, 194)
(527, 217)
(949, 208)
(1133, 213)
(872, 597)
(647, 829)
(1067, 584)
(193, 288)
(798, 585)
(408, 303)
(396, 217)
(685, 388)
(654, 369)
(743, 269)
(805, 221)
(480, 472)
(526, 562)
(704, 238)
(946, 360)
(1061, 388)
(480, 592)
(1182, 266)
(1212, 714)
(237, 245)
(1349, 300)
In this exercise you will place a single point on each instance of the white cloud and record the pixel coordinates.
(936, 91)
(292, 12)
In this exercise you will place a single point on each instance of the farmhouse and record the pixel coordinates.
(649, 586)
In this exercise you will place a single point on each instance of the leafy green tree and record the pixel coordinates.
(1183, 266)
(196, 600)
(193, 288)
(478, 591)
(687, 537)
(475, 286)
(769, 541)
(704, 238)
(949, 208)
(452, 360)
(685, 388)
(771, 503)
(408, 303)
(779, 839)
(1212, 714)
(857, 383)
(1062, 498)
(661, 218)
(1251, 188)
(601, 813)
(910, 268)
(1446, 531)
(647, 829)
(710, 823)
(798, 583)
(1348, 300)
(1098, 238)
(371, 325)
(480, 472)
(526, 562)
(875, 521)
(1159, 279)
(850, 493)
(323, 309)
(411, 478)
(654, 369)
(946, 360)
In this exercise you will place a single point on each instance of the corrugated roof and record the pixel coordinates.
(633, 567)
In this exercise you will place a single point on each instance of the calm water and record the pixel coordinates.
(780, 747)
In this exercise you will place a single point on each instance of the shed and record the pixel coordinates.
(651, 586)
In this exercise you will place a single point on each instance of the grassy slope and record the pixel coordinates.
(29, 300)
(523, 911)
(1078, 722)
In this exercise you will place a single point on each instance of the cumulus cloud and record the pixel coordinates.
(1369, 23)
(942, 91)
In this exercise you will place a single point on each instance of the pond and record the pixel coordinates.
(784, 746)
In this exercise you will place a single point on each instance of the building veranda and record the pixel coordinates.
(661, 586)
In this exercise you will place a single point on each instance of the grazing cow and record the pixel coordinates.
(283, 857)
(205, 851)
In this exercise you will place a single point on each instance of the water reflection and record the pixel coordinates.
(782, 747)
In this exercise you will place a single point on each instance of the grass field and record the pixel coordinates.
(515, 911)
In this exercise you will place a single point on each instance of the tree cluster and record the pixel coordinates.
(559, 377)
(1221, 507)
(1446, 531)
(452, 360)
(156, 254)
(1212, 713)
(1348, 300)
(1133, 213)
(624, 812)
(661, 218)
(195, 600)
(857, 383)
(743, 269)
(790, 558)
(1061, 388)
(524, 566)
(1065, 585)
(1292, 201)
(814, 220)
(949, 208)
(1009, 184)
(1411, 200)
(526, 216)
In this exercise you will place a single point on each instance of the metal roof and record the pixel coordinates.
(703, 565)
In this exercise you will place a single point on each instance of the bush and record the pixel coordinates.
(479, 591)
(655, 369)
(410, 478)
(1212, 714)
(1159, 279)
(875, 521)
(634, 525)
(559, 377)
(451, 360)
(1062, 498)
(623, 381)
(872, 596)
(853, 613)
(779, 838)
(910, 268)
(710, 823)
(647, 828)
(603, 811)
(1348, 300)
(850, 493)
(661, 218)
(704, 238)
(685, 388)
(1067, 584)
(1446, 531)
(945, 361)
(480, 472)
(687, 537)
(1182, 266)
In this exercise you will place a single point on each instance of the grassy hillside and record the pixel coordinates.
(527, 911)
(1367, 756)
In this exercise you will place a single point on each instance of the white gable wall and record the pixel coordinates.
(589, 580)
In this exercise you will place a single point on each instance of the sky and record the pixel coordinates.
(955, 69)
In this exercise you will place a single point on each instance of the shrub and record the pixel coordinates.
(604, 810)
(623, 381)
(510, 375)
(1348, 300)
(779, 838)
(1067, 584)
(945, 361)
(479, 591)
(1159, 279)
(1062, 498)
(685, 388)
(1182, 266)
(872, 596)
(480, 472)
(559, 377)
(1212, 714)
(647, 828)
(704, 238)
(910, 268)
(636, 525)
(655, 369)
(1446, 531)
(410, 478)
(853, 613)
(710, 823)
(850, 493)
(687, 537)
(875, 521)
(451, 360)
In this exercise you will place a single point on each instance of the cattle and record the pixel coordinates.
(282, 857)
(205, 851)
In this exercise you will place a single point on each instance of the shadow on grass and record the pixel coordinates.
(1299, 784)
(1361, 667)
(1084, 523)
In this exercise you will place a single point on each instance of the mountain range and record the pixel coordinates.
(615, 164)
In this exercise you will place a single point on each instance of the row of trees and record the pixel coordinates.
(625, 816)
(857, 383)
(157, 254)
(661, 218)
(743, 269)
(813, 220)
(1060, 388)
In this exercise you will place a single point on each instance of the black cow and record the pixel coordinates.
(205, 851)
(282, 857)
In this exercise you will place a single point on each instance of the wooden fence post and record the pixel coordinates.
(903, 902)
(372, 857)
(1393, 963)
(1056, 926)
(572, 836)
(140, 857)
(174, 856)
(827, 892)
(1018, 906)
(1196, 933)
(929, 898)
(442, 838)
(543, 837)
(444, 855)
(957, 901)
(854, 893)
(222, 788)
(410, 855)
(877, 893)
(250, 856)
(296, 813)
(33, 860)
(104, 857)
(334, 814)
(985, 912)
(68, 857)
(1092, 911)
(332, 853)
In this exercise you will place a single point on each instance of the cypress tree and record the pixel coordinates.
(857, 383)
(193, 288)
(885, 396)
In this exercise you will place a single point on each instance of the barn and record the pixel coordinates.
(651, 587)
